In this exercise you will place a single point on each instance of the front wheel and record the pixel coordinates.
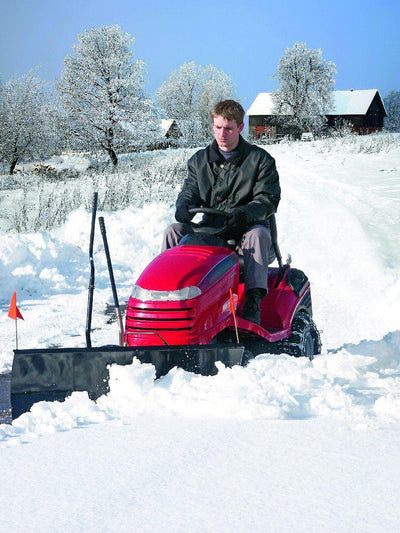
(304, 340)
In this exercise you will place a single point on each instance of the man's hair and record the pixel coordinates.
(230, 110)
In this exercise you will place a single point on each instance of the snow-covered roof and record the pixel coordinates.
(352, 102)
(345, 103)
(166, 124)
(262, 105)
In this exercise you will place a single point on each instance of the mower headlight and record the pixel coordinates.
(146, 295)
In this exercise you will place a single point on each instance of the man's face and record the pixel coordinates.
(226, 133)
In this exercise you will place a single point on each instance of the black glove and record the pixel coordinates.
(236, 221)
(182, 214)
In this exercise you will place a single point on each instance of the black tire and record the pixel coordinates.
(304, 340)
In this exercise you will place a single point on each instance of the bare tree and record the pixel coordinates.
(306, 87)
(101, 90)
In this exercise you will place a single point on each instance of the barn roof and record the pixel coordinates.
(262, 105)
(354, 102)
(166, 124)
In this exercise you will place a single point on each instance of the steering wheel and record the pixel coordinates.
(208, 229)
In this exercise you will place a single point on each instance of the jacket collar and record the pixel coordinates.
(214, 156)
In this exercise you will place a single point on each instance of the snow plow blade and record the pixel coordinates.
(53, 374)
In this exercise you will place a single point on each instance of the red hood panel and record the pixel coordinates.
(182, 266)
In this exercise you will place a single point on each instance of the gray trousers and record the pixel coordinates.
(254, 247)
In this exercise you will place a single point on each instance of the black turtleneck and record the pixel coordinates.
(232, 155)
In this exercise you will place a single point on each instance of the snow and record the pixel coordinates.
(177, 474)
(67, 160)
(284, 444)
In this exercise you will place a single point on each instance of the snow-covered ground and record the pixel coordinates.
(282, 445)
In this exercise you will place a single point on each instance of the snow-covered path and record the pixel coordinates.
(339, 219)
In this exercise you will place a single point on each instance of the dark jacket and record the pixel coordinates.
(250, 183)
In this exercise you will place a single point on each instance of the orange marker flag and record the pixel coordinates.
(14, 312)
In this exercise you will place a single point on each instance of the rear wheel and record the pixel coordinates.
(304, 340)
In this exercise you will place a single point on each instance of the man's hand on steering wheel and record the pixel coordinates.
(182, 214)
(236, 221)
(234, 225)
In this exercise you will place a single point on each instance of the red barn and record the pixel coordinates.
(363, 109)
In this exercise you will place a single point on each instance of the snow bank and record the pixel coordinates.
(50, 273)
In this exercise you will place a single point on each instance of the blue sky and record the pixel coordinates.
(245, 38)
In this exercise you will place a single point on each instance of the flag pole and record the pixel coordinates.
(16, 334)
(234, 314)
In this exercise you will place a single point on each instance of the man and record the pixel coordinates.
(241, 179)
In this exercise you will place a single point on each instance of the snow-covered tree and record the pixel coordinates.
(217, 86)
(189, 94)
(25, 124)
(392, 105)
(180, 93)
(101, 90)
(305, 93)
